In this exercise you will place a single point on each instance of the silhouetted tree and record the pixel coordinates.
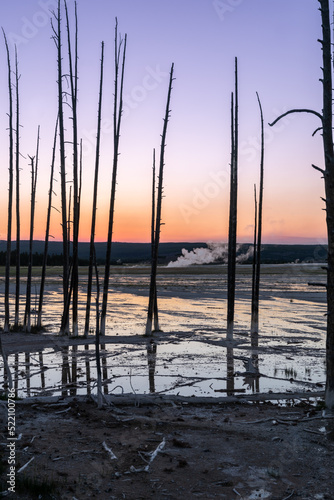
(73, 76)
(118, 108)
(10, 186)
(232, 234)
(97, 335)
(254, 246)
(57, 37)
(257, 248)
(155, 307)
(47, 232)
(17, 170)
(34, 169)
(326, 119)
(153, 281)
(96, 176)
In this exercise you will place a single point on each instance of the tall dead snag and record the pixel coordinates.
(34, 168)
(257, 248)
(73, 69)
(153, 281)
(96, 176)
(118, 109)
(17, 170)
(58, 42)
(97, 335)
(326, 119)
(254, 246)
(10, 186)
(232, 233)
(47, 233)
(155, 306)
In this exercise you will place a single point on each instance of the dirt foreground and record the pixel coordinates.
(162, 448)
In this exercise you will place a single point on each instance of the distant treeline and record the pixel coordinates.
(37, 259)
(52, 260)
(135, 253)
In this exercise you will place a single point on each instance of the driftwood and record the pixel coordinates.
(152, 456)
(111, 453)
(152, 399)
(25, 465)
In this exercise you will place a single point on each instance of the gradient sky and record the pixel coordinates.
(278, 56)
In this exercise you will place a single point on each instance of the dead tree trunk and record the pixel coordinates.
(74, 99)
(257, 250)
(327, 134)
(326, 119)
(47, 233)
(34, 169)
(153, 284)
(97, 336)
(96, 176)
(58, 42)
(10, 187)
(254, 247)
(155, 307)
(17, 170)
(232, 236)
(118, 107)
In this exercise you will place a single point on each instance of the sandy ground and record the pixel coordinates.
(223, 450)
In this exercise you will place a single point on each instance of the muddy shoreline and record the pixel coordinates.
(226, 450)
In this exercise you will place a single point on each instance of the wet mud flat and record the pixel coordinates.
(184, 414)
(167, 448)
(190, 357)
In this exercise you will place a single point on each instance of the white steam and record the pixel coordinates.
(213, 253)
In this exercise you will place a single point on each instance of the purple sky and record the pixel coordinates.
(279, 56)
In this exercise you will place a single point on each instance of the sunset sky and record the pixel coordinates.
(278, 56)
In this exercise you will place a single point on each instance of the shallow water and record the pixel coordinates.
(191, 360)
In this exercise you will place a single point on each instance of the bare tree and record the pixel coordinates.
(232, 235)
(47, 232)
(254, 247)
(155, 306)
(10, 186)
(257, 248)
(118, 108)
(34, 169)
(153, 281)
(97, 335)
(96, 176)
(57, 37)
(17, 170)
(326, 119)
(73, 68)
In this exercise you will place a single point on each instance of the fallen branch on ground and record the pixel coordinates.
(153, 454)
(111, 453)
(26, 465)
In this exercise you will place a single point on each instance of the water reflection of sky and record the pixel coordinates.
(290, 355)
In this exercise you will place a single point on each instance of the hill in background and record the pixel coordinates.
(135, 253)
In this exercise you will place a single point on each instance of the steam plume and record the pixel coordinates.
(213, 253)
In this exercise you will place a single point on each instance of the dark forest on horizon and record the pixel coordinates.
(130, 253)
